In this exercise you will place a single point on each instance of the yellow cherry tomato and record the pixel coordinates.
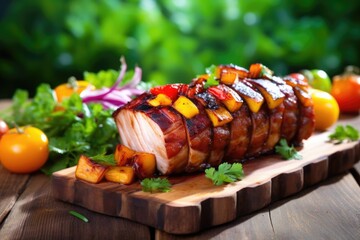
(326, 109)
(24, 149)
(65, 90)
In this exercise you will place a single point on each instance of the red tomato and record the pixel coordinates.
(346, 91)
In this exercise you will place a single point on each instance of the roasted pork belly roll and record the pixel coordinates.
(228, 114)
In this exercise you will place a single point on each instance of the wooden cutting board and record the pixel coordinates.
(194, 203)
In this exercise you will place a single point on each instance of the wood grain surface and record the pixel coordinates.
(36, 206)
(194, 203)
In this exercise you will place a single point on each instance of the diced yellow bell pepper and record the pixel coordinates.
(89, 170)
(186, 107)
(219, 116)
(120, 174)
(160, 100)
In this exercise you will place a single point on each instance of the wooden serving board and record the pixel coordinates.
(194, 203)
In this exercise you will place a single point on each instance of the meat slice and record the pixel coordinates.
(291, 112)
(220, 140)
(220, 134)
(306, 119)
(199, 132)
(160, 131)
(260, 131)
(306, 124)
(275, 123)
(240, 134)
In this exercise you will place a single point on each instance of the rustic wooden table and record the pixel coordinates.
(329, 210)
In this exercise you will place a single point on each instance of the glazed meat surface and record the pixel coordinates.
(243, 115)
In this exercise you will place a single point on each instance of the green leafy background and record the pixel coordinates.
(172, 41)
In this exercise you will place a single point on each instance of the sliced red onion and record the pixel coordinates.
(115, 96)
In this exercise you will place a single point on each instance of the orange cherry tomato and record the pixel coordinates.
(346, 90)
(3, 128)
(326, 109)
(24, 149)
(65, 90)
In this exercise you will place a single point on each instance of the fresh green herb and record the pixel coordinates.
(226, 173)
(80, 128)
(265, 72)
(155, 185)
(343, 133)
(79, 216)
(107, 160)
(106, 78)
(212, 80)
(286, 151)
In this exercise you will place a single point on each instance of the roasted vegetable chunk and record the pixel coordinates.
(89, 170)
(186, 107)
(123, 155)
(144, 165)
(120, 174)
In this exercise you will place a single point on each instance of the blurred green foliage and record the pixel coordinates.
(172, 41)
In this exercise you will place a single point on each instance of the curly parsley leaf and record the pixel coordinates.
(226, 173)
(212, 80)
(286, 151)
(343, 133)
(155, 185)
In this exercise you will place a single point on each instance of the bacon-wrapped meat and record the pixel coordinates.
(230, 114)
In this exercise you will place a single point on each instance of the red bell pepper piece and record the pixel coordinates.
(170, 90)
(218, 92)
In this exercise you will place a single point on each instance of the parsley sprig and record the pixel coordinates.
(286, 151)
(155, 185)
(344, 133)
(226, 173)
(212, 80)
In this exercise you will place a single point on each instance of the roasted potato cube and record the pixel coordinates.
(89, 170)
(219, 116)
(160, 100)
(186, 107)
(144, 165)
(120, 174)
(123, 155)
(270, 91)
